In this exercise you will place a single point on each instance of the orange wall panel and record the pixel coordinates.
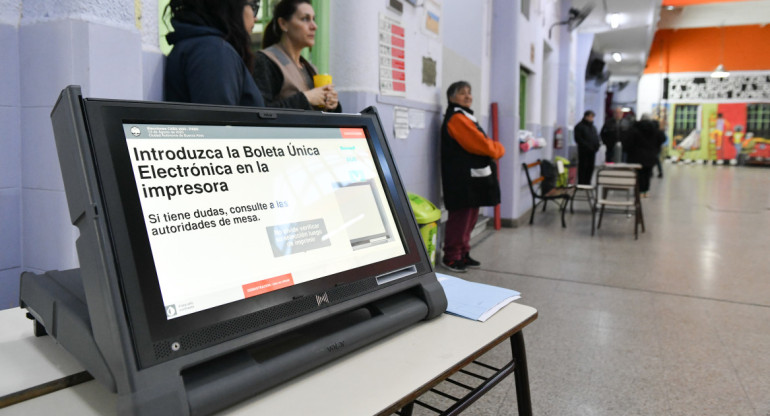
(746, 48)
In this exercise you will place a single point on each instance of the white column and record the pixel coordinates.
(97, 45)
(10, 155)
(504, 90)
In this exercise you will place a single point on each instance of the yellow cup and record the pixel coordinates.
(321, 80)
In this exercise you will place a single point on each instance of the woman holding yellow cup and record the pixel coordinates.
(284, 77)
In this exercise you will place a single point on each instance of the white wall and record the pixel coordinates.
(649, 92)
(504, 90)
(541, 113)
(10, 156)
(460, 52)
(532, 36)
(628, 95)
(466, 52)
(585, 42)
(47, 45)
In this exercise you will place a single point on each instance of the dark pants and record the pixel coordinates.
(586, 161)
(644, 178)
(609, 155)
(457, 239)
(660, 167)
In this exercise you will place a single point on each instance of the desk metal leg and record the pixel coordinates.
(406, 410)
(517, 366)
(520, 374)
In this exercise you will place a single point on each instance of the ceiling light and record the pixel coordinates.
(614, 20)
(720, 72)
(617, 57)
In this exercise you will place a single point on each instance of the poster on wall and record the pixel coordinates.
(704, 88)
(432, 18)
(392, 46)
(721, 132)
(400, 122)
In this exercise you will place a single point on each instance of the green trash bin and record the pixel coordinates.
(426, 215)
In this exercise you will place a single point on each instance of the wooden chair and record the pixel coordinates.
(563, 195)
(617, 179)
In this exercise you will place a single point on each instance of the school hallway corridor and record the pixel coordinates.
(674, 323)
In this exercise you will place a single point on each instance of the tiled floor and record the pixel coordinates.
(675, 323)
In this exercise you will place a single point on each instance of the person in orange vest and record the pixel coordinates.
(468, 175)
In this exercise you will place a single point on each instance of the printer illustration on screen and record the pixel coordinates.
(365, 217)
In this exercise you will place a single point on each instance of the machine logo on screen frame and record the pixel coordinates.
(322, 299)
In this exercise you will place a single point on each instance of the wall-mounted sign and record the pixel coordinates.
(400, 122)
(734, 87)
(432, 17)
(428, 71)
(392, 44)
(396, 6)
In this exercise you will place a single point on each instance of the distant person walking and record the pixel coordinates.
(643, 148)
(658, 164)
(612, 133)
(468, 175)
(587, 139)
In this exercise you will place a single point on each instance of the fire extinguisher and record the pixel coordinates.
(558, 138)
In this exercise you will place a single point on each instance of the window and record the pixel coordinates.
(758, 120)
(685, 119)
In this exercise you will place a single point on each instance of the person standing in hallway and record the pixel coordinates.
(587, 139)
(612, 134)
(643, 148)
(468, 175)
(282, 74)
(658, 164)
(212, 60)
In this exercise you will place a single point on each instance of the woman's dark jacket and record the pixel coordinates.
(468, 180)
(643, 144)
(203, 68)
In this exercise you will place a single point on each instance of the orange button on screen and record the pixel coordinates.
(267, 285)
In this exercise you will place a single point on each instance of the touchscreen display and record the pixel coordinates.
(233, 212)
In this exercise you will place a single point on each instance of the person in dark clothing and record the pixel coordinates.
(282, 74)
(468, 175)
(658, 164)
(612, 133)
(643, 146)
(587, 139)
(212, 59)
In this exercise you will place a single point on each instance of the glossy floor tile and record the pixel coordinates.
(674, 323)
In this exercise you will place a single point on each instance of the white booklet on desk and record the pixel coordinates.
(473, 300)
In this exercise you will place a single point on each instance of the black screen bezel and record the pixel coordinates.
(140, 290)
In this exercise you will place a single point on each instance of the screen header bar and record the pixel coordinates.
(187, 132)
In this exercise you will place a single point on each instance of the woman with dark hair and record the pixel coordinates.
(211, 62)
(282, 74)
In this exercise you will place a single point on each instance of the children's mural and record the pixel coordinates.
(731, 124)
(737, 132)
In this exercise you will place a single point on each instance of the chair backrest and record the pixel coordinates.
(530, 181)
(614, 178)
